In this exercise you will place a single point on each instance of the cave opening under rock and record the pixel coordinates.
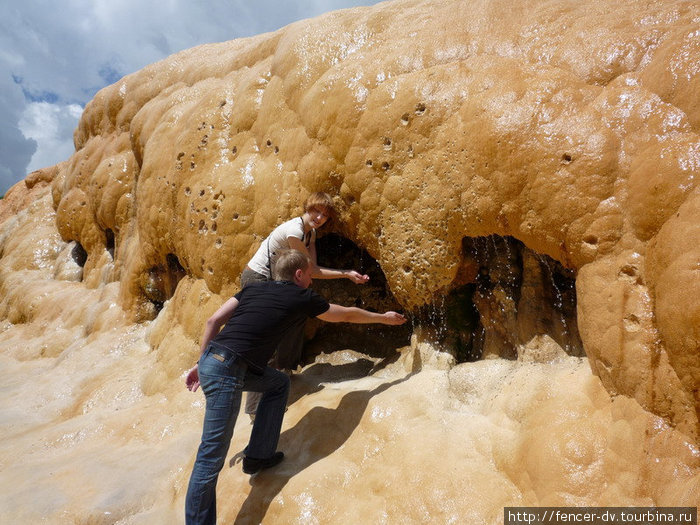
(375, 340)
(162, 280)
(507, 301)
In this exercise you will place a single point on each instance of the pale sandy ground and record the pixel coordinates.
(82, 442)
(91, 433)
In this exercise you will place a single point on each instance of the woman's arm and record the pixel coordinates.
(320, 272)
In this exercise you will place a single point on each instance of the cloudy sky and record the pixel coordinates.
(56, 54)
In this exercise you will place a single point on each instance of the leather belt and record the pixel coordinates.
(220, 352)
(223, 353)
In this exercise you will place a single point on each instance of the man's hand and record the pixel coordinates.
(393, 318)
(192, 379)
(357, 277)
(353, 314)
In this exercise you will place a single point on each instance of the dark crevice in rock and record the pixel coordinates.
(79, 254)
(505, 299)
(375, 340)
(109, 242)
(162, 280)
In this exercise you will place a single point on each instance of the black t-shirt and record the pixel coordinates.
(265, 311)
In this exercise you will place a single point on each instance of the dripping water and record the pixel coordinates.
(497, 304)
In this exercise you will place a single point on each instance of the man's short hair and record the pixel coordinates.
(287, 262)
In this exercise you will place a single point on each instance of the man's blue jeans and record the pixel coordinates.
(222, 382)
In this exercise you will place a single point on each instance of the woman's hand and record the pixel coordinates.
(192, 379)
(356, 277)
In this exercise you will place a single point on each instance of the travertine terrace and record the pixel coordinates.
(568, 126)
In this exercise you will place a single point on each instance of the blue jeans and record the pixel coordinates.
(223, 378)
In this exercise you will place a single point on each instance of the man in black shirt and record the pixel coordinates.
(234, 359)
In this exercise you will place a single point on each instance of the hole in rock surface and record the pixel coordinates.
(79, 254)
(375, 340)
(505, 299)
(162, 280)
(109, 242)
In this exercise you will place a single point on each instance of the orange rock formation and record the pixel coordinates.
(569, 126)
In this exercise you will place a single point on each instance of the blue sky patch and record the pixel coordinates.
(35, 96)
(109, 74)
(40, 96)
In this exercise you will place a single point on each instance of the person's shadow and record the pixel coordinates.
(318, 434)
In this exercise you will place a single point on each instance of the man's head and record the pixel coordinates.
(292, 265)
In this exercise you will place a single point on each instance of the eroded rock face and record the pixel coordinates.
(570, 128)
(564, 126)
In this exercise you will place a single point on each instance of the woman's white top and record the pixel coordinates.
(277, 241)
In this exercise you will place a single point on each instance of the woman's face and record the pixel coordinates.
(317, 216)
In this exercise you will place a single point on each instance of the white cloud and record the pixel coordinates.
(62, 53)
(51, 126)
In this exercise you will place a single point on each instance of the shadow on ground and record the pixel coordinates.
(337, 424)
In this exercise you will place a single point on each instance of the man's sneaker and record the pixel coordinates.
(252, 465)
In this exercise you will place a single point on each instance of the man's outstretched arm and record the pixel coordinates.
(351, 314)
